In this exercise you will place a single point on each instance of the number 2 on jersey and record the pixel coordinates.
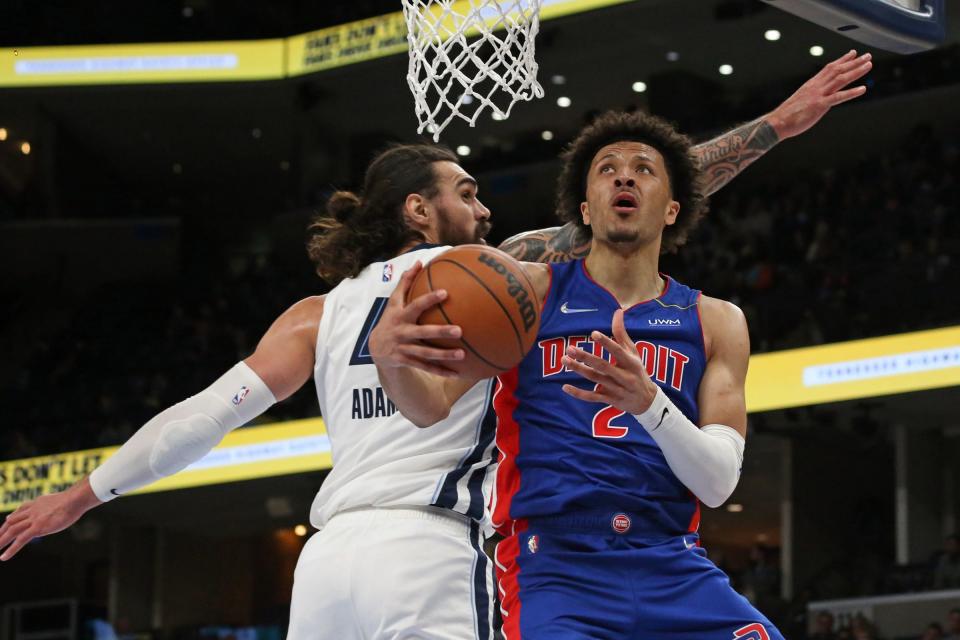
(602, 419)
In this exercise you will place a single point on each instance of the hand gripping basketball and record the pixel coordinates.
(490, 297)
(398, 339)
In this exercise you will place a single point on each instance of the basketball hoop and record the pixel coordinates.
(453, 78)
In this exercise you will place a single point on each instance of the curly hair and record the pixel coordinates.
(613, 126)
(356, 229)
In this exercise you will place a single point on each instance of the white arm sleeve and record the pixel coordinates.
(184, 433)
(706, 460)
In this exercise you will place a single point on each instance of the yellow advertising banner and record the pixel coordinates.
(797, 377)
(255, 452)
(297, 55)
(857, 369)
(142, 63)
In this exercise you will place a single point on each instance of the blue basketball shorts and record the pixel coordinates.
(597, 578)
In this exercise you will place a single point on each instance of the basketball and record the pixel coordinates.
(490, 298)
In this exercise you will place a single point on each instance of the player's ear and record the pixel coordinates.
(585, 213)
(673, 210)
(416, 213)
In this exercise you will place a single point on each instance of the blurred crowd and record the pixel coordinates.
(759, 582)
(837, 254)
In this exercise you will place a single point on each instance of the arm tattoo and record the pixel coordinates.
(556, 244)
(722, 158)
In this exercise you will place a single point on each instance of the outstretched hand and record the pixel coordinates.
(45, 515)
(397, 340)
(623, 382)
(819, 94)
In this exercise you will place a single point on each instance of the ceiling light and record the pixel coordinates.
(466, 99)
(564, 102)
(284, 165)
(733, 507)
(3, 134)
(772, 35)
(725, 69)
(816, 51)
(498, 116)
(25, 148)
(256, 133)
(547, 135)
(558, 79)
(177, 168)
(672, 56)
(432, 128)
(300, 530)
(639, 87)
(463, 150)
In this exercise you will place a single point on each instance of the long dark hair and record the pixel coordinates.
(356, 229)
(615, 126)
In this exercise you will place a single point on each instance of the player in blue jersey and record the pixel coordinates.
(609, 444)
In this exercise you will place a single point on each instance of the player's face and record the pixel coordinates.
(628, 199)
(460, 216)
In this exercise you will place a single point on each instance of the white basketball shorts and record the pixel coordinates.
(393, 574)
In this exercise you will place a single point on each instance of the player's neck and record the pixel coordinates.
(631, 276)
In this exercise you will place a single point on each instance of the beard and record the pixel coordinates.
(626, 236)
(454, 235)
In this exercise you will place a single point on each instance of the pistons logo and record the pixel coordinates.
(620, 523)
(755, 631)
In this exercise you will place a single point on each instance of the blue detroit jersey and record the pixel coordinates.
(563, 455)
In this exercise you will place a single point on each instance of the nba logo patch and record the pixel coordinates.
(387, 272)
(237, 399)
(533, 544)
(620, 523)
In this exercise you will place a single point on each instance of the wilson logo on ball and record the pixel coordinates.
(515, 288)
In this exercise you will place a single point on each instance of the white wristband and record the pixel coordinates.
(707, 461)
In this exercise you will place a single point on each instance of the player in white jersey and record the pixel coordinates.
(400, 517)
(401, 514)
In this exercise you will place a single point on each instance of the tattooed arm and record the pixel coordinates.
(724, 157)
(556, 244)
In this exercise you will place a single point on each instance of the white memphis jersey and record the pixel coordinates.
(381, 459)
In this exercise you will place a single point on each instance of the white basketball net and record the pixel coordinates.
(453, 78)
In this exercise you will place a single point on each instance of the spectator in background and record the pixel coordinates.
(946, 572)
(953, 623)
(933, 632)
(823, 627)
(862, 629)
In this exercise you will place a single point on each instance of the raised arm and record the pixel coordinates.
(725, 156)
(185, 432)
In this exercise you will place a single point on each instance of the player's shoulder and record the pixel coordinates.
(539, 274)
(303, 316)
(722, 322)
